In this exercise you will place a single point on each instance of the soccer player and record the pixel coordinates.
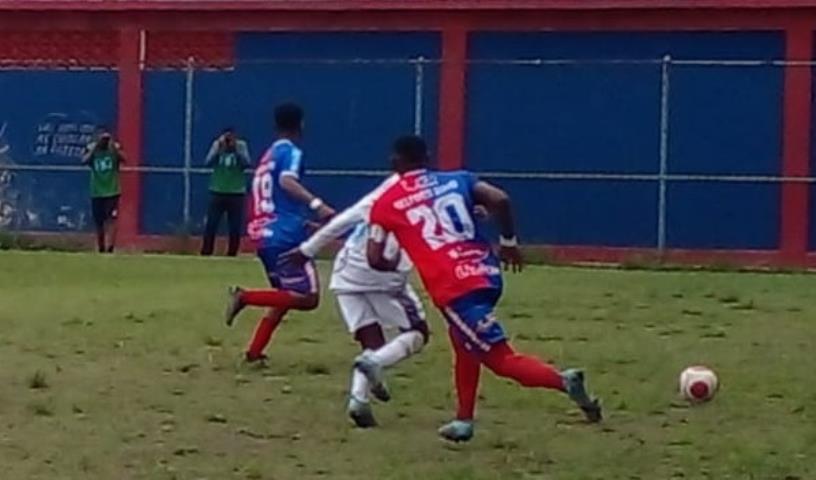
(280, 211)
(368, 301)
(429, 212)
(104, 157)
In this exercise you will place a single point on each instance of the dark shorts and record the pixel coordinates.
(287, 276)
(473, 321)
(104, 209)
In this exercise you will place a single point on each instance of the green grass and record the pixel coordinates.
(120, 368)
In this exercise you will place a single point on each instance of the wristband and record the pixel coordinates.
(508, 242)
(315, 203)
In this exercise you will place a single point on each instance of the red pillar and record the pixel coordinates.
(452, 98)
(129, 124)
(795, 214)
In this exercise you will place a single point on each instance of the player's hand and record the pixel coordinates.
(294, 257)
(324, 213)
(511, 259)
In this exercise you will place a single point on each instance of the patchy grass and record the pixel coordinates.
(120, 367)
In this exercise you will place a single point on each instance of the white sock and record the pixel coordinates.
(399, 348)
(359, 385)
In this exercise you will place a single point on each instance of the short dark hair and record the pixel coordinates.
(412, 148)
(288, 117)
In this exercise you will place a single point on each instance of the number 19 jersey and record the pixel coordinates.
(431, 215)
(276, 219)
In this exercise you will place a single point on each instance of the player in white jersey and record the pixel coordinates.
(369, 301)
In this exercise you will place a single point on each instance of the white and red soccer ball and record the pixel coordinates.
(698, 383)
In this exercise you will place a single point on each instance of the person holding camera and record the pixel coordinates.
(104, 157)
(228, 157)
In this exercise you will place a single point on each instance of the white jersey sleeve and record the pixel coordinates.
(345, 221)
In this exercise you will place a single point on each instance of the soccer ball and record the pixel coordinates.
(698, 383)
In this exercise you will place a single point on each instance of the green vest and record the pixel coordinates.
(228, 176)
(105, 174)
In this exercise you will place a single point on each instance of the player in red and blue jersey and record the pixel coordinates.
(429, 213)
(281, 209)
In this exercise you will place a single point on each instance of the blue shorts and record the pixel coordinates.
(472, 320)
(282, 275)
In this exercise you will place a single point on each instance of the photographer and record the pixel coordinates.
(104, 157)
(228, 158)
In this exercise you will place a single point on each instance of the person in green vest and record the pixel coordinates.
(104, 157)
(228, 157)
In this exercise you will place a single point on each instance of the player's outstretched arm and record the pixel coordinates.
(497, 202)
(296, 190)
(343, 222)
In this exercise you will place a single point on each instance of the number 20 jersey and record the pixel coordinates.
(431, 215)
(276, 219)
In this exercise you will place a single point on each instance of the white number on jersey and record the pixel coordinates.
(446, 221)
(262, 186)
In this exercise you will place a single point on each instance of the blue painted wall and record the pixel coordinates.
(604, 117)
(46, 118)
(353, 110)
(597, 116)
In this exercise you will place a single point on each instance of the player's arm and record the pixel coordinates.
(291, 185)
(337, 226)
(120, 154)
(498, 204)
(242, 150)
(212, 155)
(88, 155)
(345, 221)
(375, 250)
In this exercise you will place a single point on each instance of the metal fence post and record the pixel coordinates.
(664, 152)
(419, 85)
(188, 139)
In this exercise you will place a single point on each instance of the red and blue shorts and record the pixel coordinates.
(284, 275)
(472, 320)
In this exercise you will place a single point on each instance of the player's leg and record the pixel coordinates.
(263, 334)
(296, 287)
(403, 311)
(98, 211)
(214, 212)
(235, 211)
(112, 224)
(466, 371)
(473, 318)
(362, 324)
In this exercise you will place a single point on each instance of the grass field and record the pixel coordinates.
(120, 368)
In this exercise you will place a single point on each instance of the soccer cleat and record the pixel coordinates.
(361, 414)
(576, 389)
(374, 373)
(234, 305)
(457, 431)
(255, 360)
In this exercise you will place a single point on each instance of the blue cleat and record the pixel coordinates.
(361, 414)
(576, 389)
(457, 431)
(373, 371)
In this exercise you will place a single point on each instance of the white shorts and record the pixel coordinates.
(391, 310)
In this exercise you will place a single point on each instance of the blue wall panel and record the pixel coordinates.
(724, 215)
(603, 116)
(353, 110)
(584, 212)
(47, 118)
(162, 203)
(164, 98)
(725, 120)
